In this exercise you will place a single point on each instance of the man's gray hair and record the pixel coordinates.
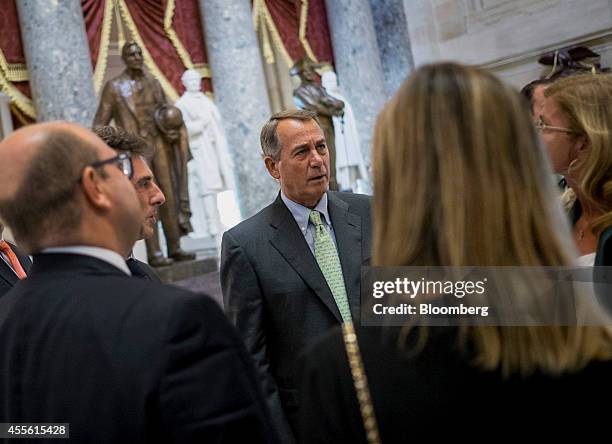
(270, 145)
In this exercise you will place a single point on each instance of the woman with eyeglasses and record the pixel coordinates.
(576, 127)
(460, 180)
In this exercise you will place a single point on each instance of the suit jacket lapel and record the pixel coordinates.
(24, 260)
(347, 229)
(291, 244)
(7, 273)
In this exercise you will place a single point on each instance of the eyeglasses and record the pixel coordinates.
(540, 125)
(123, 162)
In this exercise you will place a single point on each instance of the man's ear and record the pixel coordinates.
(272, 167)
(94, 189)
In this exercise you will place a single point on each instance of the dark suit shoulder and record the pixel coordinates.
(248, 229)
(358, 202)
(164, 296)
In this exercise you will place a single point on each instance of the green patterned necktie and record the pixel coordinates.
(329, 263)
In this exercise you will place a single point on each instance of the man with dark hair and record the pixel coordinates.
(534, 92)
(14, 265)
(119, 359)
(293, 271)
(149, 194)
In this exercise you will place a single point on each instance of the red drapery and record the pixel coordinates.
(289, 15)
(182, 31)
(317, 31)
(188, 26)
(93, 15)
(148, 19)
(13, 74)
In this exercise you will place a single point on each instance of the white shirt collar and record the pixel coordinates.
(301, 214)
(103, 254)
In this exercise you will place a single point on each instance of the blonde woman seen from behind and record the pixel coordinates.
(460, 180)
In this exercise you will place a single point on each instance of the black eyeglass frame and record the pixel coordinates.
(123, 161)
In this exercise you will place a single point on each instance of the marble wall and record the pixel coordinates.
(506, 36)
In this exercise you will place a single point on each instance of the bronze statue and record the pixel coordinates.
(311, 96)
(169, 121)
(132, 100)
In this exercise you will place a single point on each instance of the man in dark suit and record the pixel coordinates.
(292, 271)
(119, 359)
(149, 194)
(14, 265)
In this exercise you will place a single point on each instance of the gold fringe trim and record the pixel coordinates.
(18, 114)
(202, 68)
(257, 17)
(302, 33)
(102, 61)
(169, 90)
(120, 32)
(263, 18)
(325, 67)
(180, 49)
(18, 99)
(14, 72)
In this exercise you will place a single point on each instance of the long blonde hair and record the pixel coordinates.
(586, 102)
(461, 180)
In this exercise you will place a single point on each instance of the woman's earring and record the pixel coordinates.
(571, 166)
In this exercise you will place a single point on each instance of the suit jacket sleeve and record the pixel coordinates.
(208, 390)
(329, 410)
(243, 302)
(104, 114)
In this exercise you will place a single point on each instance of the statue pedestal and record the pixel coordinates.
(201, 245)
(179, 271)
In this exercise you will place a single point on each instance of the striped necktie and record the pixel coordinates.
(329, 263)
(6, 249)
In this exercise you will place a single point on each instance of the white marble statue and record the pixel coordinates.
(351, 171)
(210, 171)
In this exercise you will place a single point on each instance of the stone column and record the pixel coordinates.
(358, 66)
(240, 91)
(393, 41)
(57, 56)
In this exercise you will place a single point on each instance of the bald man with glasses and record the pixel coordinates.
(119, 359)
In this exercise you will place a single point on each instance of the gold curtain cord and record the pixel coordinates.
(263, 19)
(169, 90)
(302, 32)
(102, 61)
(10, 74)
